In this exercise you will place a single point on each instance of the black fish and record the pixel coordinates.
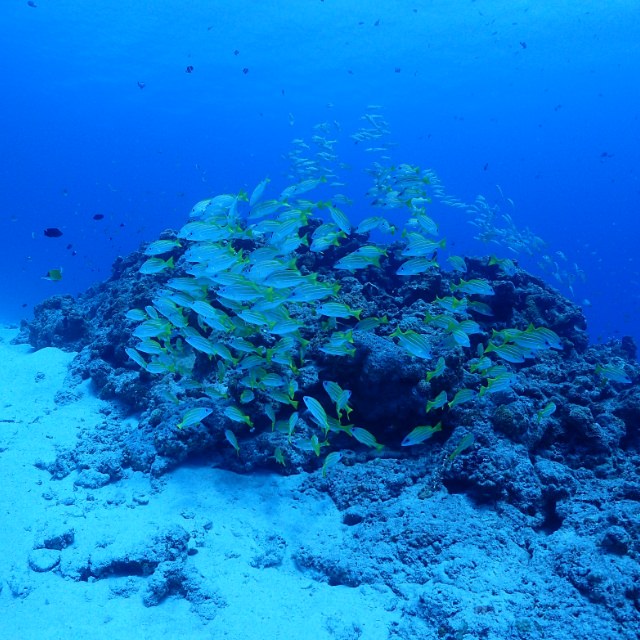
(52, 232)
(189, 69)
(98, 216)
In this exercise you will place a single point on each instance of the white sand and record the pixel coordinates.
(228, 515)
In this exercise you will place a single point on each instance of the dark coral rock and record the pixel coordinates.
(332, 568)
(58, 537)
(616, 540)
(580, 420)
(383, 378)
(91, 479)
(600, 434)
(378, 480)
(140, 557)
(503, 475)
(43, 560)
(512, 419)
(58, 322)
(272, 551)
(556, 479)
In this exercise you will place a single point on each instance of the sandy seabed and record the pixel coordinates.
(239, 529)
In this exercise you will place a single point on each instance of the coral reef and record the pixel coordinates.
(479, 380)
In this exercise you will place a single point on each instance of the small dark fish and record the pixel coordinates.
(98, 216)
(245, 70)
(52, 232)
(376, 23)
(189, 69)
(31, 3)
(69, 246)
(486, 166)
(397, 69)
(142, 85)
(523, 44)
(235, 52)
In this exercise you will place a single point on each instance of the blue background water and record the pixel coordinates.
(541, 98)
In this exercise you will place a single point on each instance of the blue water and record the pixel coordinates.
(100, 116)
